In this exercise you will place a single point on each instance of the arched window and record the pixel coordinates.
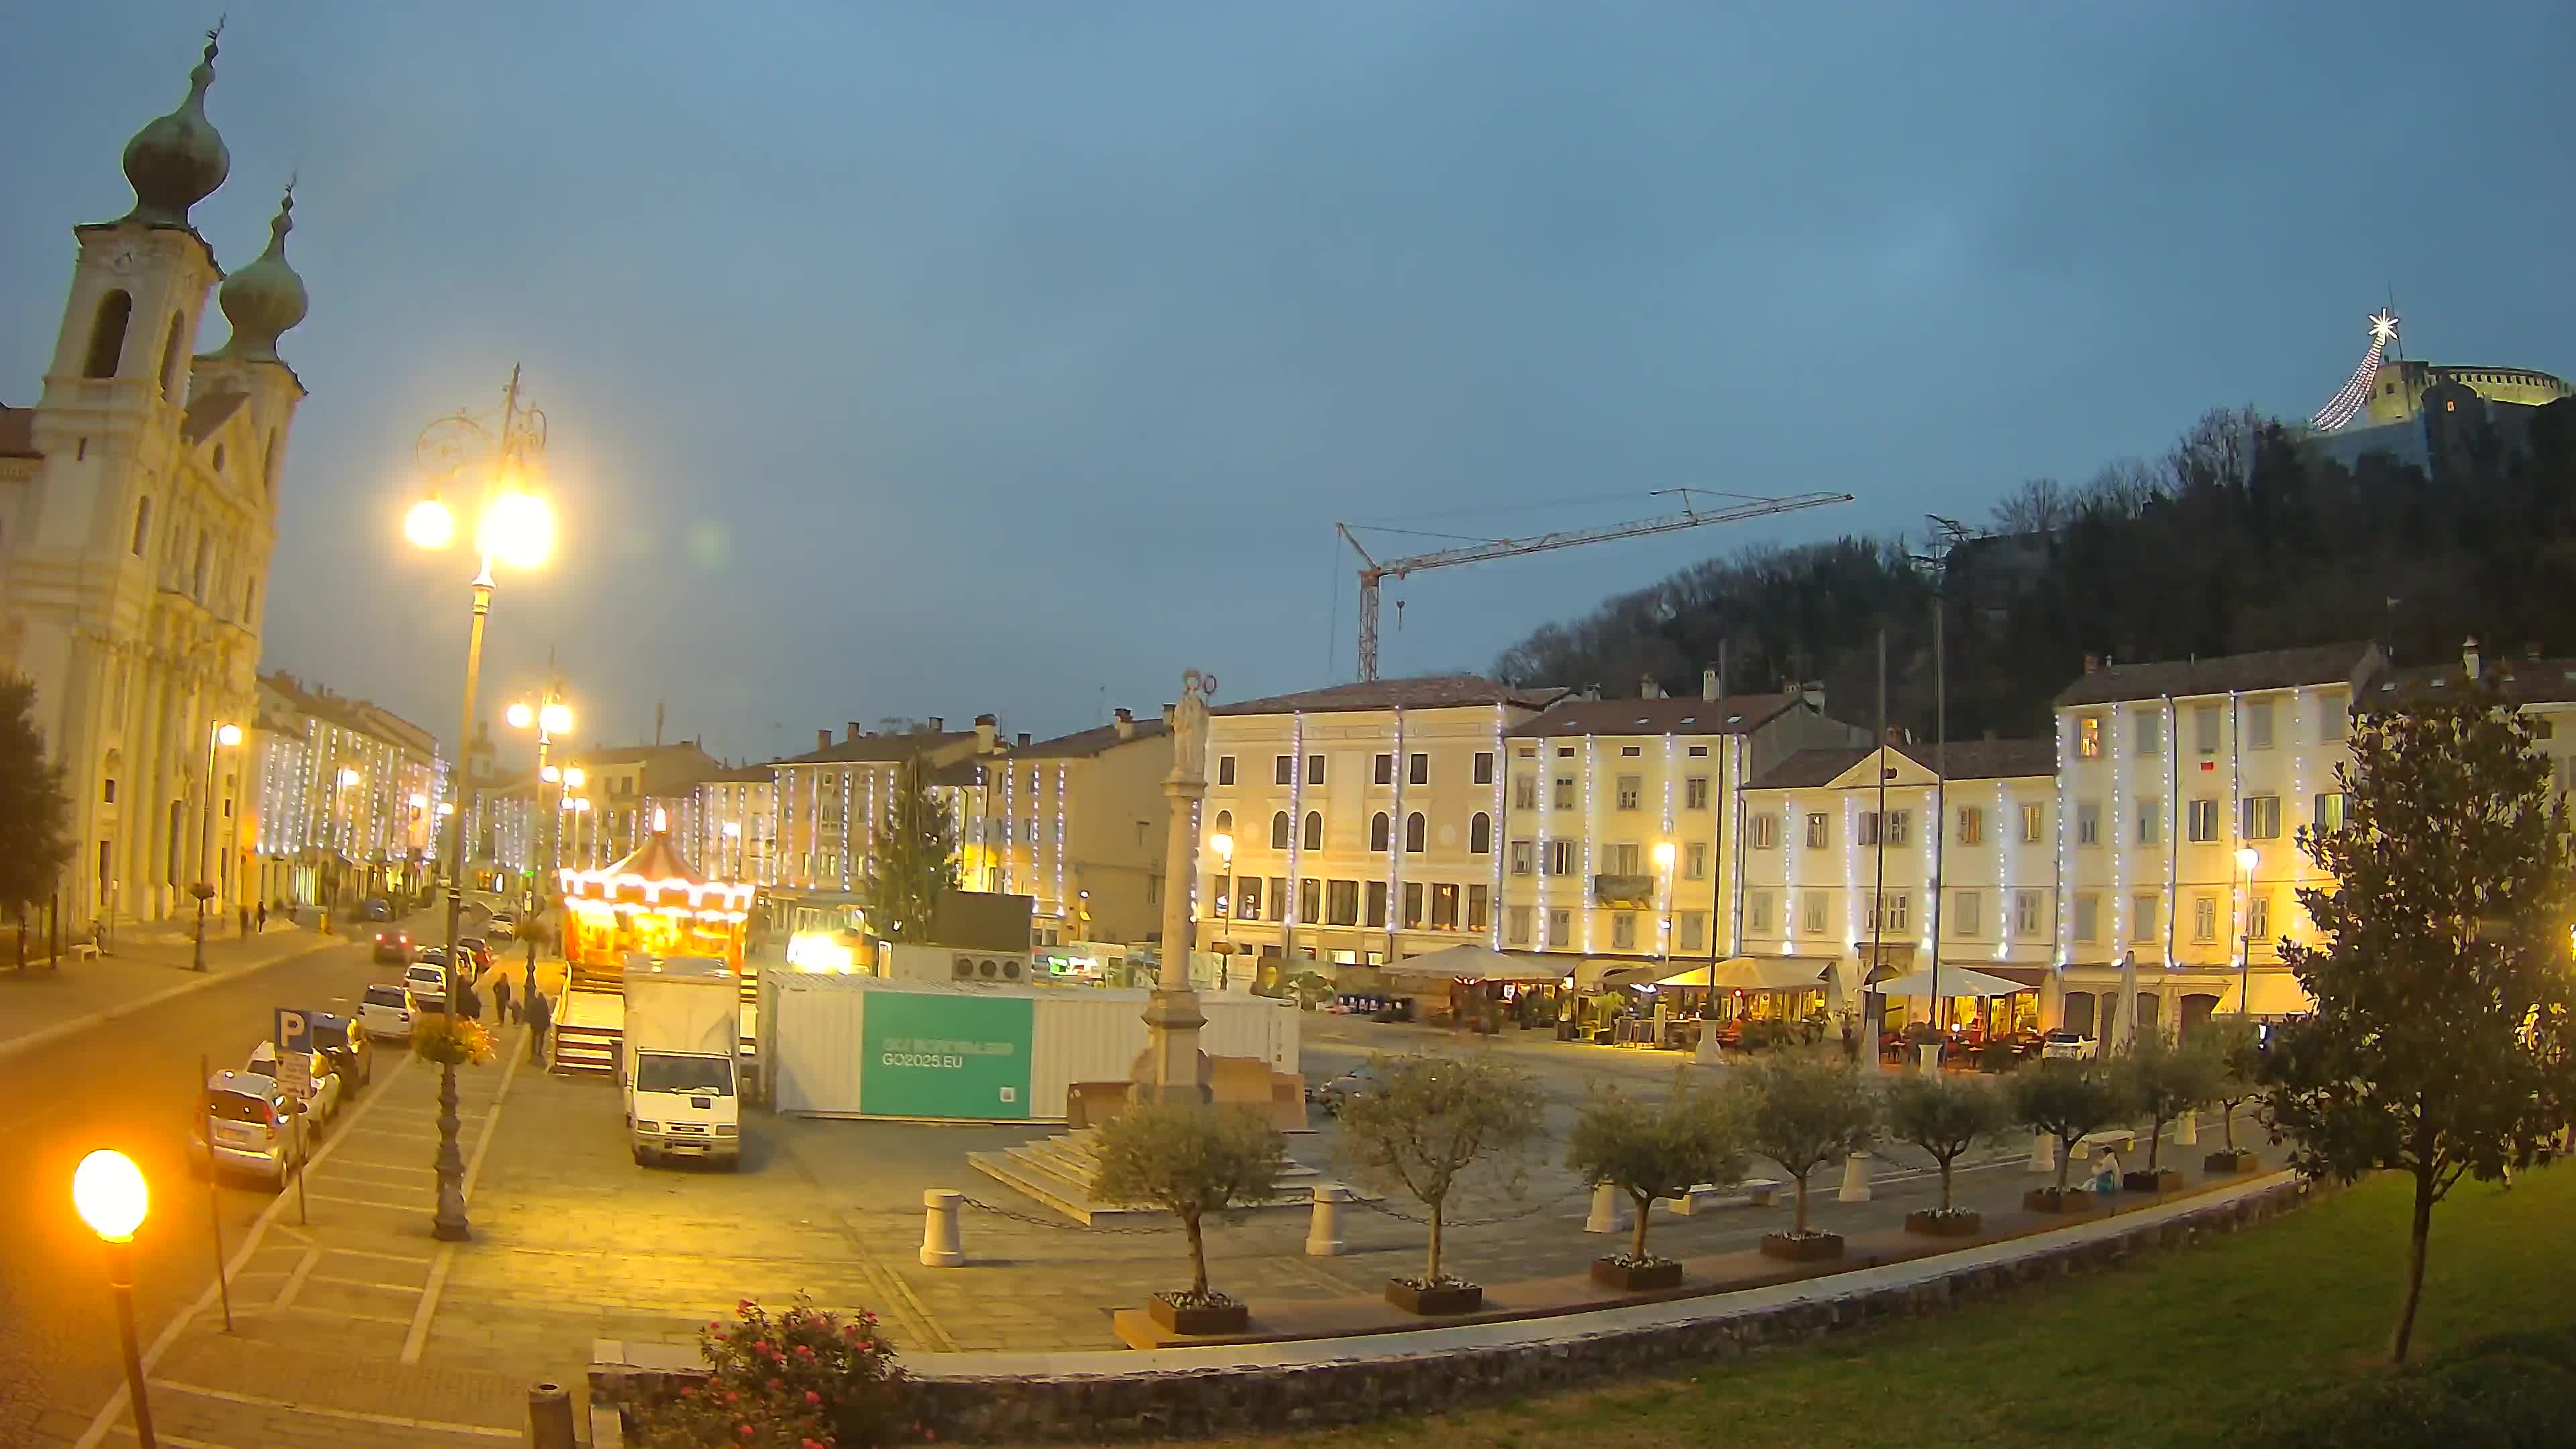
(1480, 834)
(1279, 831)
(1225, 822)
(1378, 829)
(107, 334)
(1314, 830)
(171, 357)
(142, 524)
(1413, 832)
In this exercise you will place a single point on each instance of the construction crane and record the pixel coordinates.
(1373, 572)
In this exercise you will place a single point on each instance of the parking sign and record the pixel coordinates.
(295, 1052)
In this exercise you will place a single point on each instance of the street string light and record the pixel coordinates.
(514, 525)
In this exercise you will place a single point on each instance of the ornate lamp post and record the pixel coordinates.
(2245, 861)
(1224, 845)
(109, 1193)
(223, 736)
(515, 526)
(551, 717)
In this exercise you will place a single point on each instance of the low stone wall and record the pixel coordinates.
(1397, 1379)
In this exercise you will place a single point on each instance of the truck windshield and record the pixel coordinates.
(712, 1075)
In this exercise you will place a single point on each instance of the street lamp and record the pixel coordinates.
(2245, 859)
(733, 832)
(1224, 844)
(109, 1193)
(224, 736)
(517, 527)
(551, 717)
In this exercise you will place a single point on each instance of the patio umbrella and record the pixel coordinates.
(1956, 981)
(1837, 998)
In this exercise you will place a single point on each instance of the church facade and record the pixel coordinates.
(138, 509)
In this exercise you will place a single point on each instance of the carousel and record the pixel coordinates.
(651, 903)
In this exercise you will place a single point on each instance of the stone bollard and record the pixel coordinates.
(1324, 1229)
(550, 1417)
(939, 1245)
(2043, 1153)
(2187, 1130)
(1855, 1179)
(1606, 1214)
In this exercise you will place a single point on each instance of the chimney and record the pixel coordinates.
(1126, 724)
(1708, 685)
(2092, 663)
(822, 739)
(1648, 689)
(986, 727)
(1021, 740)
(1814, 695)
(938, 724)
(2469, 656)
(854, 731)
(1895, 737)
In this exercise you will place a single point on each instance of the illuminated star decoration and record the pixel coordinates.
(2346, 405)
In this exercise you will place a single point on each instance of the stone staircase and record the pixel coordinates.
(1057, 1171)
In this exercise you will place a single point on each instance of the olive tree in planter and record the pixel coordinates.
(1431, 1122)
(1803, 1109)
(2235, 1048)
(2066, 1100)
(1649, 1151)
(1945, 1116)
(2164, 1080)
(1191, 1162)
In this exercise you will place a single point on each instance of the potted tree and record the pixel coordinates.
(1945, 1116)
(1649, 1151)
(2067, 1099)
(2164, 1081)
(1433, 1120)
(1803, 1109)
(1190, 1162)
(2233, 1043)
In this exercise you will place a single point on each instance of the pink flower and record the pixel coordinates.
(812, 1397)
(746, 1431)
(803, 1352)
(730, 1396)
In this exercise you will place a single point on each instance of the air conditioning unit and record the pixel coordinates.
(954, 967)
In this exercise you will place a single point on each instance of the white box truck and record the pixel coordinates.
(682, 1032)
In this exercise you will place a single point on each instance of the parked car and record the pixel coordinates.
(2064, 1045)
(324, 1098)
(1333, 1094)
(394, 946)
(425, 981)
(351, 1054)
(249, 1124)
(377, 908)
(385, 1010)
(504, 925)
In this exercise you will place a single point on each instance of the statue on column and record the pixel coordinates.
(1190, 727)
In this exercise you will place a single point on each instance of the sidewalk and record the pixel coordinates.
(45, 1002)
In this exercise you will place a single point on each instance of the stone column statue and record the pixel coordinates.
(1172, 1068)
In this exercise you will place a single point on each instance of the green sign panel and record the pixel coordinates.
(934, 1055)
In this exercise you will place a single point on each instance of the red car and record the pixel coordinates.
(394, 946)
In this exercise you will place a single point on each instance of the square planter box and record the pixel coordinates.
(1632, 1278)
(1940, 1225)
(2161, 1180)
(2231, 1162)
(1813, 1248)
(2050, 1200)
(1447, 1298)
(1213, 1318)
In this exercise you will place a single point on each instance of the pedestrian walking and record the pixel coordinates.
(468, 1004)
(501, 996)
(263, 917)
(540, 1015)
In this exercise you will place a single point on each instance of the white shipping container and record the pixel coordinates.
(813, 1035)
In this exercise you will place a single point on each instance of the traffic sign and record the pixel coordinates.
(295, 1052)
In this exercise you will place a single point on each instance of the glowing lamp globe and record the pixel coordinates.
(2246, 857)
(573, 776)
(550, 774)
(518, 529)
(429, 524)
(1223, 844)
(419, 802)
(228, 735)
(519, 715)
(109, 1194)
(1663, 855)
(348, 778)
(555, 718)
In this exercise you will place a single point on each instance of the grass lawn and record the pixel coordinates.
(2169, 1350)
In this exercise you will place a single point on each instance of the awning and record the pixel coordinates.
(1479, 963)
(1756, 973)
(1955, 981)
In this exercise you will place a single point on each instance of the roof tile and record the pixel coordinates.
(1439, 691)
(2220, 674)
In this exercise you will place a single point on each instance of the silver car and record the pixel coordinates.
(245, 1125)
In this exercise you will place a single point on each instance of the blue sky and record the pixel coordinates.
(935, 358)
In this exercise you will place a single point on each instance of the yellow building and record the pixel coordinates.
(1076, 823)
(2397, 389)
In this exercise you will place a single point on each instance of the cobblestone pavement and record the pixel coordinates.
(359, 1328)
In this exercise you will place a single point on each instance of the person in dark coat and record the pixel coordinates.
(501, 996)
(540, 1015)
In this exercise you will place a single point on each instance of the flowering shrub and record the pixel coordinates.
(451, 1040)
(805, 1379)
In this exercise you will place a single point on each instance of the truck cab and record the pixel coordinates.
(677, 1064)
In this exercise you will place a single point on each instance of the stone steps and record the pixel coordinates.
(1057, 1171)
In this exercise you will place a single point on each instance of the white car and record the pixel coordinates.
(385, 1011)
(426, 983)
(324, 1098)
(245, 1126)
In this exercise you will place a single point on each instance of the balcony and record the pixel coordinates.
(1624, 890)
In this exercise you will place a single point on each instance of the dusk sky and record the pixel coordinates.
(936, 358)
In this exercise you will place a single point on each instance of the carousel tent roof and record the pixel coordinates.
(655, 859)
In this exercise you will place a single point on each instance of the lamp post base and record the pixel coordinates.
(449, 1224)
